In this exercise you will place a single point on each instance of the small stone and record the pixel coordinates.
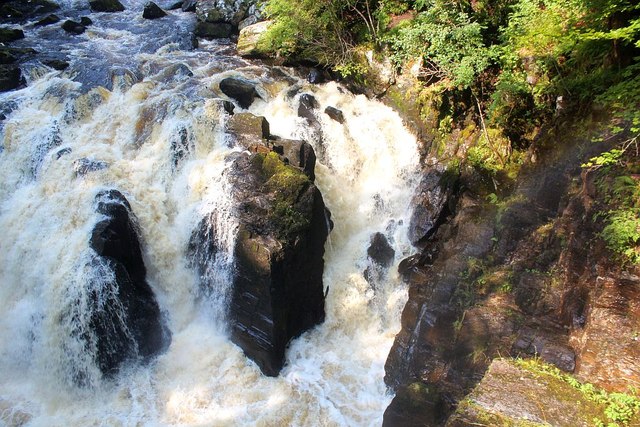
(73, 27)
(86, 21)
(335, 114)
(84, 166)
(56, 64)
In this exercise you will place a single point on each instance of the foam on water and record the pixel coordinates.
(367, 174)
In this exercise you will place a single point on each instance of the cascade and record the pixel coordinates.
(140, 112)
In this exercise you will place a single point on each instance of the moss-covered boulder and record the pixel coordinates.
(278, 252)
(10, 77)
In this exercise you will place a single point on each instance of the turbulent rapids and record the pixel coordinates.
(140, 112)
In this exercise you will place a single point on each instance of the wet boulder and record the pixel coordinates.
(125, 322)
(47, 20)
(239, 89)
(249, 131)
(215, 30)
(10, 77)
(10, 34)
(430, 205)
(278, 255)
(21, 10)
(335, 114)
(229, 11)
(380, 251)
(106, 6)
(152, 11)
(84, 165)
(73, 27)
(307, 107)
(189, 5)
(297, 153)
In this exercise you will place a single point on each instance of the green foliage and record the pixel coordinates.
(449, 42)
(622, 233)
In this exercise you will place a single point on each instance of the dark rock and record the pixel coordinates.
(425, 402)
(106, 6)
(380, 251)
(175, 6)
(84, 166)
(21, 10)
(228, 106)
(218, 30)
(315, 76)
(56, 64)
(430, 201)
(73, 27)
(125, 320)
(10, 55)
(153, 11)
(63, 152)
(8, 35)
(10, 77)
(249, 131)
(335, 114)
(299, 154)
(86, 21)
(232, 12)
(278, 291)
(47, 20)
(308, 104)
(189, 5)
(278, 256)
(243, 91)
(180, 147)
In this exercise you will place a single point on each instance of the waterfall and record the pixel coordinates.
(150, 124)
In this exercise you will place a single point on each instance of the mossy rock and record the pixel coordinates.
(106, 6)
(8, 35)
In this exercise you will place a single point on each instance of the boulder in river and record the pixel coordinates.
(153, 11)
(47, 20)
(10, 77)
(73, 27)
(299, 154)
(106, 6)
(125, 320)
(242, 90)
(21, 10)
(10, 34)
(335, 114)
(278, 255)
(380, 251)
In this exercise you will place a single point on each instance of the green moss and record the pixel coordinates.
(617, 409)
(485, 418)
(286, 183)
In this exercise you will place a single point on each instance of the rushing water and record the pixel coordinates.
(155, 92)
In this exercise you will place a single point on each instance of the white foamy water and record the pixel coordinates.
(333, 374)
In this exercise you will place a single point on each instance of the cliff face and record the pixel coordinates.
(523, 275)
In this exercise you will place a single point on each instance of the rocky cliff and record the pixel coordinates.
(521, 275)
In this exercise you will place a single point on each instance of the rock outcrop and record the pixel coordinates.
(283, 225)
(241, 90)
(527, 278)
(125, 322)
